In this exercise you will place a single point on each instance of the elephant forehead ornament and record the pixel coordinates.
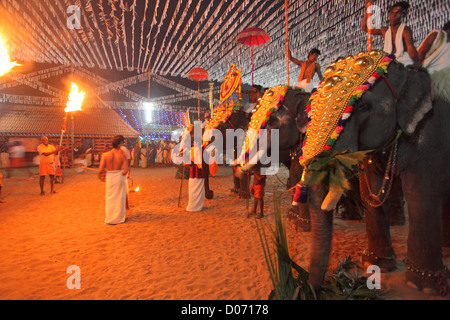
(270, 102)
(329, 108)
(331, 105)
(230, 101)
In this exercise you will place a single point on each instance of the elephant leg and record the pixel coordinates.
(446, 225)
(300, 216)
(380, 251)
(236, 181)
(209, 194)
(426, 270)
(244, 192)
(397, 203)
(321, 234)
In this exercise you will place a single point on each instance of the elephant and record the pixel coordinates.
(402, 103)
(237, 120)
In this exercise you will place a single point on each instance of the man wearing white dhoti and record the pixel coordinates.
(308, 69)
(116, 166)
(434, 52)
(196, 181)
(397, 36)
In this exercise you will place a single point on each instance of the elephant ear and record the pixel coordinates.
(415, 101)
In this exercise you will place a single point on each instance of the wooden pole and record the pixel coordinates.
(287, 38)
(72, 127)
(198, 108)
(181, 185)
(252, 66)
(369, 27)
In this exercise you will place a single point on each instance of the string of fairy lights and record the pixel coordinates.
(163, 123)
(171, 37)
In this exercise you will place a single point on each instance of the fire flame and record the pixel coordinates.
(5, 63)
(137, 189)
(75, 99)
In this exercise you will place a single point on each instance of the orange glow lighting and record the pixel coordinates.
(75, 99)
(5, 63)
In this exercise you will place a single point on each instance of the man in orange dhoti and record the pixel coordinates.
(46, 163)
(257, 189)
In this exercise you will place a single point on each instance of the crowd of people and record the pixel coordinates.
(154, 153)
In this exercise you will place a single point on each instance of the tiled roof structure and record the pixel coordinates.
(36, 120)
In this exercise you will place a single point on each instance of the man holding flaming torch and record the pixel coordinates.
(46, 163)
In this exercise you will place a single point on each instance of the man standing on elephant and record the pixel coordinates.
(308, 69)
(397, 36)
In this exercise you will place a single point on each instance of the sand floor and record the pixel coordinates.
(162, 252)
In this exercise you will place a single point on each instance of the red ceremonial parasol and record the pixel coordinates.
(253, 36)
(198, 74)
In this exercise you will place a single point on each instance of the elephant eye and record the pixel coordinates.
(362, 106)
(272, 121)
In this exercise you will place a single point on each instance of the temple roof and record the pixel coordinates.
(25, 120)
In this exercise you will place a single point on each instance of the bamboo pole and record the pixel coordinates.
(287, 38)
(369, 27)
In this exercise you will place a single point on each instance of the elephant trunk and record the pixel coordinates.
(321, 234)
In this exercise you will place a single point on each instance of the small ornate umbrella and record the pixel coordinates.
(198, 74)
(253, 36)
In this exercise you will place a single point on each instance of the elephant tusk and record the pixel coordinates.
(332, 198)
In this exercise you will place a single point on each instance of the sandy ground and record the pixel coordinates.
(162, 252)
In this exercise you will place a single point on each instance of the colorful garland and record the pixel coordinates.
(271, 102)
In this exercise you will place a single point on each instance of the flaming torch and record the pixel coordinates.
(5, 63)
(75, 99)
(74, 104)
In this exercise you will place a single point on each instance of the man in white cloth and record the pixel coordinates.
(116, 167)
(434, 52)
(127, 155)
(397, 36)
(196, 180)
(253, 96)
(308, 69)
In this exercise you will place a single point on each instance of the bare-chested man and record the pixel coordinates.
(397, 36)
(308, 69)
(46, 163)
(116, 166)
(253, 96)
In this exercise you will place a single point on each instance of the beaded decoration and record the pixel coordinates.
(269, 103)
(332, 104)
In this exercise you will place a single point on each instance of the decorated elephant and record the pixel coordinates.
(373, 113)
(402, 132)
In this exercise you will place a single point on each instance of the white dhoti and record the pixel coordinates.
(115, 197)
(305, 85)
(89, 159)
(196, 194)
(437, 62)
(248, 108)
